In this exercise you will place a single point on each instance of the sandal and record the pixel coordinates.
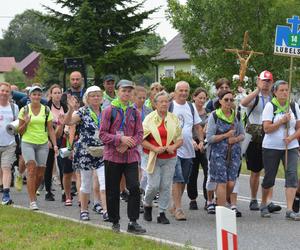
(84, 216)
(68, 202)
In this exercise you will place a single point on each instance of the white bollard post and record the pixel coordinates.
(226, 229)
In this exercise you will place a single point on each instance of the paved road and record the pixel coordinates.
(254, 232)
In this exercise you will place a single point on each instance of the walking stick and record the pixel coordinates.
(288, 110)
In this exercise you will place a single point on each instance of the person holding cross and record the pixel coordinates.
(281, 123)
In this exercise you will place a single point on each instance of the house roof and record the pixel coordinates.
(173, 50)
(7, 64)
(27, 60)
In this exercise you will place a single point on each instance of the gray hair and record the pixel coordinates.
(161, 93)
(178, 84)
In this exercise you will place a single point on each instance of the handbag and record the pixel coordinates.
(95, 151)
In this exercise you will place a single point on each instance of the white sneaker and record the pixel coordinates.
(33, 206)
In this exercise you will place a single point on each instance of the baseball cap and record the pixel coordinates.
(34, 88)
(125, 84)
(92, 89)
(108, 78)
(265, 75)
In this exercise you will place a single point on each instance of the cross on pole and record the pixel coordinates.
(244, 56)
(295, 22)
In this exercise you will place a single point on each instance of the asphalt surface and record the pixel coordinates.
(199, 230)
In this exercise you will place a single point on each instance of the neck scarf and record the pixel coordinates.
(224, 118)
(280, 109)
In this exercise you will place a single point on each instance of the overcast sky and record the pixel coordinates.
(9, 8)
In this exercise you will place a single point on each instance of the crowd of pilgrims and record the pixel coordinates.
(146, 146)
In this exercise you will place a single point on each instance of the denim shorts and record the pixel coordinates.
(183, 170)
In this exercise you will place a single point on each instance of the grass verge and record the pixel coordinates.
(22, 229)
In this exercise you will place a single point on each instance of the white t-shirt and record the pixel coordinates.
(275, 140)
(185, 117)
(6, 117)
(256, 115)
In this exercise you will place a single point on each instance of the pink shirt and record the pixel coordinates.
(111, 138)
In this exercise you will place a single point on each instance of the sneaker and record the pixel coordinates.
(264, 212)
(179, 215)
(162, 219)
(49, 196)
(273, 208)
(253, 205)
(97, 208)
(296, 205)
(193, 205)
(116, 227)
(6, 200)
(237, 212)
(33, 206)
(124, 196)
(18, 183)
(211, 208)
(84, 216)
(292, 215)
(105, 216)
(135, 228)
(147, 213)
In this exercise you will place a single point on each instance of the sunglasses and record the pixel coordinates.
(228, 99)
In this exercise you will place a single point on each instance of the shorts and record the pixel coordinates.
(65, 164)
(7, 155)
(183, 169)
(35, 152)
(253, 157)
(272, 159)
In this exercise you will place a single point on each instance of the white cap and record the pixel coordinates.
(92, 89)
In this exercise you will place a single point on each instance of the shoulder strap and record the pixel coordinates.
(12, 106)
(113, 115)
(293, 108)
(171, 107)
(215, 116)
(253, 107)
(47, 111)
(192, 111)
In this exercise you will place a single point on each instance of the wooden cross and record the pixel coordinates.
(244, 56)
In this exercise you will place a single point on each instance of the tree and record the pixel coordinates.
(24, 31)
(209, 27)
(106, 33)
(16, 77)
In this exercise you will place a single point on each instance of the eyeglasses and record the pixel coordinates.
(228, 99)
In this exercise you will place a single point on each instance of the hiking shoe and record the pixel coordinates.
(162, 219)
(147, 213)
(84, 216)
(264, 212)
(98, 208)
(211, 208)
(6, 200)
(105, 216)
(33, 206)
(18, 183)
(292, 215)
(273, 208)
(179, 215)
(49, 196)
(237, 212)
(253, 205)
(296, 205)
(116, 227)
(135, 228)
(193, 205)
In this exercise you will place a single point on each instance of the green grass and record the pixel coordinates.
(22, 229)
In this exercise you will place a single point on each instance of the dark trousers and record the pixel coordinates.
(113, 174)
(192, 190)
(49, 170)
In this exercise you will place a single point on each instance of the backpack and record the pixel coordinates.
(246, 117)
(47, 111)
(171, 108)
(12, 106)
(114, 112)
(292, 106)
